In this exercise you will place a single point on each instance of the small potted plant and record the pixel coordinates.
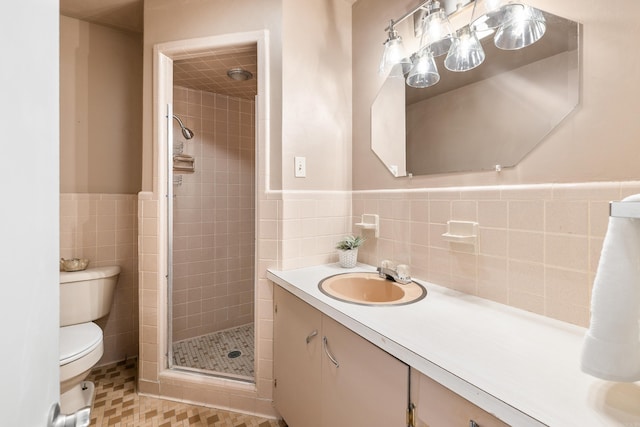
(348, 250)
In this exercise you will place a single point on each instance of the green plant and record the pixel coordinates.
(350, 242)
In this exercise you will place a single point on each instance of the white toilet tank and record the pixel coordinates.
(87, 295)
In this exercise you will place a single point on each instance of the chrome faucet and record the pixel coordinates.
(399, 273)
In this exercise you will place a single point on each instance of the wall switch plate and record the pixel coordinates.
(300, 164)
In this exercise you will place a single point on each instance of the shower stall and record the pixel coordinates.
(212, 214)
(198, 252)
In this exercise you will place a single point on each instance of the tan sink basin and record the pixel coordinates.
(370, 289)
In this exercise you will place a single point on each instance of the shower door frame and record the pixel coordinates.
(164, 55)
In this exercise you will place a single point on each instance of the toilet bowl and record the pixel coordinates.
(81, 348)
(84, 296)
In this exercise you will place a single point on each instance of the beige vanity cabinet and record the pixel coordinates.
(436, 405)
(297, 356)
(328, 376)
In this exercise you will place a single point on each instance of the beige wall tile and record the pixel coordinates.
(524, 231)
(571, 217)
(493, 213)
(526, 246)
(567, 286)
(464, 210)
(492, 279)
(419, 210)
(526, 215)
(567, 251)
(493, 242)
(528, 302)
(439, 211)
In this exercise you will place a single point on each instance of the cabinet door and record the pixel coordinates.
(296, 357)
(369, 388)
(436, 405)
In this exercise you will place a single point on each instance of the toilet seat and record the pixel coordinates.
(81, 348)
(77, 341)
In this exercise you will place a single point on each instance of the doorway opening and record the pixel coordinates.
(211, 217)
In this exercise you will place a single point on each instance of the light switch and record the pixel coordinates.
(300, 167)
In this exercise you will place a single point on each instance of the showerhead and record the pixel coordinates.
(186, 132)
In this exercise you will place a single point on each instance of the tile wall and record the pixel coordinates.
(538, 250)
(538, 246)
(103, 228)
(214, 215)
(311, 224)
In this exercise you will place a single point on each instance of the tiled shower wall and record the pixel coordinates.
(104, 229)
(538, 246)
(214, 215)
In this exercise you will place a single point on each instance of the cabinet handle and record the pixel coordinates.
(311, 335)
(328, 353)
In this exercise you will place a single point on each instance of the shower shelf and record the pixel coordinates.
(183, 163)
(184, 168)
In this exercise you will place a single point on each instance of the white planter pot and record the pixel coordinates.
(348, 258)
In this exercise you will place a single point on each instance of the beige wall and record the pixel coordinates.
(100, 108)
(316, 93)
(598, 142)
(100, 155)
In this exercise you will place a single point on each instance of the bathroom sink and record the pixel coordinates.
(370, 289)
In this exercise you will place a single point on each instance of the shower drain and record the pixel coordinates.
(233, 354)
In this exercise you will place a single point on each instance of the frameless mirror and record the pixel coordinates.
(476, 120)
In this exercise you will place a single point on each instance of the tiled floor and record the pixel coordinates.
(117, 404)
(227, 352)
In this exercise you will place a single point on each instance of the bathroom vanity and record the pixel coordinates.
(468, 358)
(329, 376)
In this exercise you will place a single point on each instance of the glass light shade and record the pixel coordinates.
(491, 14)
(437, 33)
(466, 52)
(394, 53)
(525, 27)
(424, 72)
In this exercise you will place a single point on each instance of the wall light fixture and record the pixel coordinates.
(514, 26)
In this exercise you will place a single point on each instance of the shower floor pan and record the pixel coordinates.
(228, 353)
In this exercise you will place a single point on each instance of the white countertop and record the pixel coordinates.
(519, 366)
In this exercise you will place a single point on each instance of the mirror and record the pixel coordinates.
(488, 118)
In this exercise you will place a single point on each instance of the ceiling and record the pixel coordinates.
(207, 71)
(122, 14)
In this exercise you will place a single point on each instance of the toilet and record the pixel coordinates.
(85, 296)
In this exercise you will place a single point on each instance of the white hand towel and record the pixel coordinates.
(611, 348)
